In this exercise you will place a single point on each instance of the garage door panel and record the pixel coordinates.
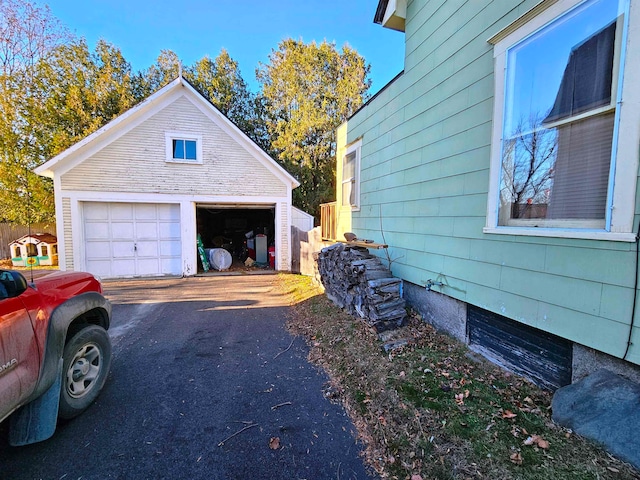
(121, 211)
(168, 212)
(122, 249)
(101, 268)
(123, 267)
(123, 231)
(96, 231)
(147, 249)
(169, 230)
(124, 239)
(170, 266)
(148, 266)
(98, 250)
(171, 248)
(96, 211)
(146, 212)
(146, 230)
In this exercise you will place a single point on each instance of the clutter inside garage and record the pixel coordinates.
(235, 238)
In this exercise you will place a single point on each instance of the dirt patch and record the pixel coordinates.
(431, 409)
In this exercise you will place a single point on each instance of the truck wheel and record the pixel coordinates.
(86, 361)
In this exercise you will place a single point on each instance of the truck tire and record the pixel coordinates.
(86, 361)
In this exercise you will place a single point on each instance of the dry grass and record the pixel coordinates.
(431, 410)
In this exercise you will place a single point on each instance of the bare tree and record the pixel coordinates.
(528, 159)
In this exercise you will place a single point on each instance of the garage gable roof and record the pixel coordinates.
(80, 151)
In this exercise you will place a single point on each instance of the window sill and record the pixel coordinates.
(187, 162)
(558, 233)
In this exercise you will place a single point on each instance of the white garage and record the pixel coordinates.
(133, 198)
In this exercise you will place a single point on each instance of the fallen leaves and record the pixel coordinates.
(461, 396)
(411, 428)
(274, 443)
(516, 458)
(538, 441)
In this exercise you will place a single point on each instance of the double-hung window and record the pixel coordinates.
(183, 147)
(351, 176)
(556, 118)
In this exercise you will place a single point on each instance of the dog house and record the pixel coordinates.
(35, 249)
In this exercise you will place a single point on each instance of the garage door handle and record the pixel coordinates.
(135, 247)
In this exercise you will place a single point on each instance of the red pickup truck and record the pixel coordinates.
(55, 351)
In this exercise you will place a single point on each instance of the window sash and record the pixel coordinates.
(568, 112)
(184, 149)
(349, 188)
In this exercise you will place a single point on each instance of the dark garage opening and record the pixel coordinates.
(240, 230)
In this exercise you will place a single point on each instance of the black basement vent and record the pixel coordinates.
(540, 356)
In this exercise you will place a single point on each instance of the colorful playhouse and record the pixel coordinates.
(35, 249)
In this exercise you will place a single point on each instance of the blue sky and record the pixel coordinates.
(248, 29)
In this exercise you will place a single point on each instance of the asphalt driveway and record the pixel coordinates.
(204, 380)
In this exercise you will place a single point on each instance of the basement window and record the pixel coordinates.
(183, 147)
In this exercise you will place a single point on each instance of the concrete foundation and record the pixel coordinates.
(587, 361)
(450, 316)
(441, 311)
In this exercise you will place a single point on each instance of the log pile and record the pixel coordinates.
(357, 281)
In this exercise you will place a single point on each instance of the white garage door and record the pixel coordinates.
(131, 239)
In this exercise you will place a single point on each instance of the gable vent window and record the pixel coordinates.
(183, 148)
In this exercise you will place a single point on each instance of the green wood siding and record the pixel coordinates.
(424, 183)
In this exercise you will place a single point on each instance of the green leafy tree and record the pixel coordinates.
(309, 90)
(54, 92)
(164, 71)
(28, 36)
(220, 81)
(78, 92)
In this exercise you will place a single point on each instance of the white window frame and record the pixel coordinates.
(171, 136)
(356, 148)
(621, 202)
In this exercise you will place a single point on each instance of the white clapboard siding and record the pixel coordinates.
(68, 234)
(136, 162)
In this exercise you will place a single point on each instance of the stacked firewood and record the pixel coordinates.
(357, 281)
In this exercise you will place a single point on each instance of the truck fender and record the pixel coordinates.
(61, 317)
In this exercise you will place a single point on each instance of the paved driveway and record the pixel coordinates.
(195, 361)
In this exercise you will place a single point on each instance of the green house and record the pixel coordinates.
(501, 168)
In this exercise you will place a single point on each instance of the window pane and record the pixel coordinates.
(349, 166)
(352, 196)
(190, 149)
(560, 173)
(581, 173)
(178, 149)
(563, 69)
(347, 193)
(556, 166)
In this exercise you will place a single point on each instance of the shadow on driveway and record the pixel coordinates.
(203, 377)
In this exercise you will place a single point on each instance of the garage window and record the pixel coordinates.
(183, 147)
